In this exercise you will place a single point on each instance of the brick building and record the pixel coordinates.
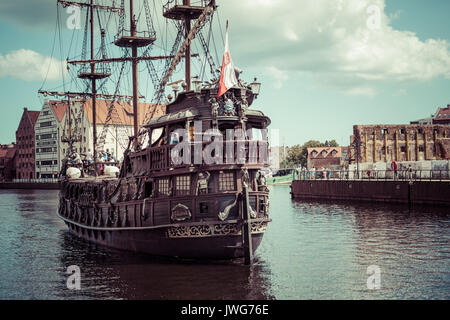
(442, 116)
(326, 157)
(25, 158)
(7, 158)
(385, 143)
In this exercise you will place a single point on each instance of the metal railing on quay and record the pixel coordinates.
(373, 175)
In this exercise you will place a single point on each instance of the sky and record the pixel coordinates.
(324, 65)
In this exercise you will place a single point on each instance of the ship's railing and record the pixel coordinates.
(91, 168)
(193, 3)
(373, 175)
(233, 152)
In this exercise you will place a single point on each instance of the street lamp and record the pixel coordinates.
(255, 86)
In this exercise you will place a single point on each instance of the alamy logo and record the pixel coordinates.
(74, 19)
(74, 280)
(374, 20)
(374, 279)
(216, 147)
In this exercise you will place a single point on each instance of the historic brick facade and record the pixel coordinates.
(385, 143)
(7, 158)
(326, 157)
(25, 159)
(442, 116)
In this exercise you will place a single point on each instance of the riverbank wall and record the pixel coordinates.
(409, 192)
(30, 185)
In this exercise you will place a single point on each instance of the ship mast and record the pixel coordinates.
(94, 74)
(187, 22)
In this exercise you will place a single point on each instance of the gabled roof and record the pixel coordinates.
(59, 108)
(328, 150)
(34, 115)
(123, 113)
(442, 114)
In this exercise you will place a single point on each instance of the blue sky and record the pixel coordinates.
(324, 66)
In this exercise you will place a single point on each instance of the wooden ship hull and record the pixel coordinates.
(149, 226)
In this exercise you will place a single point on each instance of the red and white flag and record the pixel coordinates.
(228, 76)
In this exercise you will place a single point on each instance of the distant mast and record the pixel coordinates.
(93, 74)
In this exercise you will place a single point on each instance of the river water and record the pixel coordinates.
(312, 250)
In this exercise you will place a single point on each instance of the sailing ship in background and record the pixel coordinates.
(175, 194)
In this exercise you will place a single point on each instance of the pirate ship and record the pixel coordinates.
(190, 184)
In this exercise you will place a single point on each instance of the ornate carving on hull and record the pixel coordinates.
(261, 181)
(202, 182)
(227, 229)
(223, 215)
(132, 189)
(189, 232)
(213, 230)
(181, 213)
(259, 227)
(214, 112)
(87, 197)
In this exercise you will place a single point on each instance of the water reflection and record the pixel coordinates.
(116, 274)
(312, 250)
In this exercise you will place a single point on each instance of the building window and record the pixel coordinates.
(384, 131)
(402, 131)
(403, 149)
(163, 186)
(226, 181)
(46, 124)
(46, 136)
(183, 185)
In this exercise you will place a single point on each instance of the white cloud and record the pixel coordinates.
(349, 45)
(279, 75)
(29, 65)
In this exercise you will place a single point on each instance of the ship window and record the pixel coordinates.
(226, 181)
(163, 187)
(204, 207)
(183, 185)
(148, 189)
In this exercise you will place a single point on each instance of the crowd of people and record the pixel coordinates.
(343, 173)
(85, 161)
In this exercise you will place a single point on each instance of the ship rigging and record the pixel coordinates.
(174, 195)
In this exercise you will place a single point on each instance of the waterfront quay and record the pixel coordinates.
(409, 188)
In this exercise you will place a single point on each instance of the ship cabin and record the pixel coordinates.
(199, 155)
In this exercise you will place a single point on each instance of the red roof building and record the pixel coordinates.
(7, 158)
(25, 158)
(442, 116)
(326, 157)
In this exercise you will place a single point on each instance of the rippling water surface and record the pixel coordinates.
(312, 250)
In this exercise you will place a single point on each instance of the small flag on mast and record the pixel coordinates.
(228, 75)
